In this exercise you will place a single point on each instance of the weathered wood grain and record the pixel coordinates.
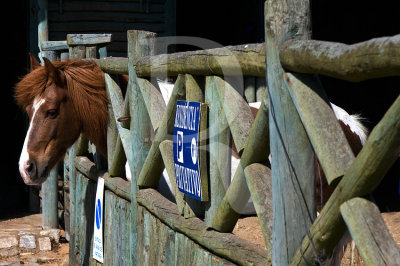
(225, 245)
(88, 39)
(54, 45)
(50, 200)
(364, 175)
(246, 59)
(329, 142)
(375, 58)
(258, 179)
(292, 154)
(237, 112)
(153, 100)
(369, 232)
(140, 43)
(113, 65)
(219, 148)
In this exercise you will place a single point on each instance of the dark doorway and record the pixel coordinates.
(13, 192)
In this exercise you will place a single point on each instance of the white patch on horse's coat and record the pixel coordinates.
(255, 105)
(24, 154)
(166, 89)
(353, 121)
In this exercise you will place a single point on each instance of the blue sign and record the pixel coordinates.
(186, 151)
(98, 214)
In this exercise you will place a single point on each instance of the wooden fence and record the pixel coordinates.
(294, 121)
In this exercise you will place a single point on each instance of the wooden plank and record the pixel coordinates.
(364, 175)
(237, 112)
(77, 52)
(88, 39)
(368, 230)
(327, 137)
(225, 245)
(153, 100)
(258, 179)
(246, 59)
(375, 58)
(54, 45)
(219, 148)
(237, 195)
(293, 175)
(153, 166)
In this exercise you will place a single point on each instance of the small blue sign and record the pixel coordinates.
(98, 214)
(185, 146)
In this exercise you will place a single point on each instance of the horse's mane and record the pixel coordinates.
(85, 86)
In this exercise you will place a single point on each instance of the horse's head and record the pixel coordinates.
(53, 125)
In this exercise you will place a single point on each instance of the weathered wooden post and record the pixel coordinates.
(140, 43)
(50, 200)
(293, 176)
(49, 187)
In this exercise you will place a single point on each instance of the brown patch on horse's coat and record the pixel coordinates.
(85, 85)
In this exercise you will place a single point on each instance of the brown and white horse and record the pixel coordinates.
(65, 99)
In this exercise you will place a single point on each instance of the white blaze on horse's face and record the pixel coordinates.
(26, 165)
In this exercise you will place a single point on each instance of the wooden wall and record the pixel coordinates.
(110, 16)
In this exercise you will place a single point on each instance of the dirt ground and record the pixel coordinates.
(31, 223)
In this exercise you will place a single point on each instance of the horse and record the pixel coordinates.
(66, 99)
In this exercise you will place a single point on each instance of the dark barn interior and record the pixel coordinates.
(227, 23)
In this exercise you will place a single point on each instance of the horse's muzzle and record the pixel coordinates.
(30, 174)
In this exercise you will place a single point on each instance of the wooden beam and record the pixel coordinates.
(220, 150)
(237, 112)
(327, 137)
(375, 58)
(368, 230)
(364, 175)
(113, 65)
(246, 59)
(258, 178)
(54, 45)
(291, 151)
(88, 39)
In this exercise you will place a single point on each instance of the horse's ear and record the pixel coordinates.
(53, 73)
(34, 62)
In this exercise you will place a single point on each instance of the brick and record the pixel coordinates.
(44, 244)
(8, 242)
(27, 241)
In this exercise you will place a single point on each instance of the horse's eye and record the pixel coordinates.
(52, 113)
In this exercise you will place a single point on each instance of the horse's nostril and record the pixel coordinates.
(30, 167)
